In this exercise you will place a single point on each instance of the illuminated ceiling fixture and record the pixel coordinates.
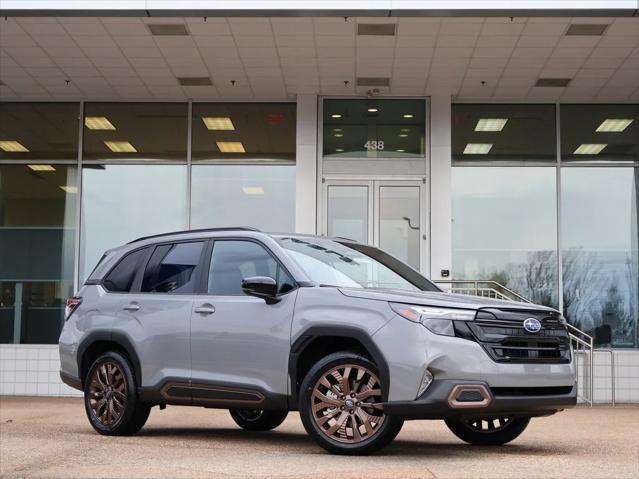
(253, 190)
(372, 110)
(491, 124)
(98, 123)
(590, 148)
(41, 167)
(406, 130)
(614, 125)
(400, 151)
(409, 115)
(120, 147)
(336, 115)
(69, 189)
(218, 123)
(338, 135)
(230, 146)
(339, 150)
(477, 148)
(337, 129)
(12, 146)
(403, 135)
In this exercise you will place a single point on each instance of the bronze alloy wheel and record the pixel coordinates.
(107, 393)
(488, 425)
(347, 404)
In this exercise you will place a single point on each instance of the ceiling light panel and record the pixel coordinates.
(166, 29)
(98, 123)
(12, 146)
(588, 29)
(194, 81)
(373, 81)
(218, 123)
(120, 147)
(477, 148)
(384, 29)
(491, 124)
(253, 190)
(614, 125)
(230, 146)
(552, 82)
(69, 189)
(41, 167)
(590, 148)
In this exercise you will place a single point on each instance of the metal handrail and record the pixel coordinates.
(477, 282)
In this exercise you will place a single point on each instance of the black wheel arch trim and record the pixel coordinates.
(309, 335)
(121, 339)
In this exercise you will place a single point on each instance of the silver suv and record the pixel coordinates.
(263, 324)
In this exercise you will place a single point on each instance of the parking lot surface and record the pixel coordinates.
(50, 437)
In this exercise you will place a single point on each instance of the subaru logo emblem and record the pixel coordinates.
(532, 325)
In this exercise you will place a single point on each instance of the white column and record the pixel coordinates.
(306, 165)
(441, 241)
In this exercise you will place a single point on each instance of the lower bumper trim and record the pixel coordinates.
(71, 381)
(434, 404)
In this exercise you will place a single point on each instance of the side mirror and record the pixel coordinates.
(261, 287)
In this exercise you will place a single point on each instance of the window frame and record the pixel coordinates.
(204, 284)
(143, 259)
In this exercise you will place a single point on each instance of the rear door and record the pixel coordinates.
(159, 310)
(239, 342)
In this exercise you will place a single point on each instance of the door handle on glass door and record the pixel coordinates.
(131, 307)
(206, 308)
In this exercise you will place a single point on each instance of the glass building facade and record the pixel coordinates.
(545, 197)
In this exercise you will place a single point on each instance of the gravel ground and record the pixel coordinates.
(50, 437)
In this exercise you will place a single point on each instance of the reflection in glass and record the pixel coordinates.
(140, 131)
(260, 196)
(399, 222)
(123, 202)
(39, 131)
(600, 254)
(504, 229)
(374, 128)
(347, 215)
(503, 132)
(37, 241)
(255, 131)
(600, 133)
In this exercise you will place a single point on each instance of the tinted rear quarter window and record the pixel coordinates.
(121, 277)
(172, 268)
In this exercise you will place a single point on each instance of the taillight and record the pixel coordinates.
(72, 305)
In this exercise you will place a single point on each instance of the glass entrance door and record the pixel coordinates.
(389, 214)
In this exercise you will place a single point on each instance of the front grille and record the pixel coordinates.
(501, 333)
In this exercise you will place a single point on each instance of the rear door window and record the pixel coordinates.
(121, 277)
(173, 268)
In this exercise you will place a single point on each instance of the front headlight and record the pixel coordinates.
(435, 319)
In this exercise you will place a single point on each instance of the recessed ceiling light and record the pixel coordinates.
(69, 189)
(491, 124)
(218, 123)
(373, 81)
(41, 167)
(372, 110)
(336, 115)
(400, 151)
(12, 146)
(98, 123)
(337, 129)
(409, 115)
(120, 147)
(194, 81)
(614, 125)
(590, 29)
(230, 146)
(164, 29)
(590, 148)
(405, 130)
(338, 135)
(403, 135)
(253, 190)
(339, 150)
(477, 148)
(386, 29)
(552, 82)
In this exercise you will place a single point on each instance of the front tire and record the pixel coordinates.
(258, 419)
(341, 406)
(488, 432)
(110, 397)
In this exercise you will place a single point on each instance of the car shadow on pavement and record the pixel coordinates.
(399, 447)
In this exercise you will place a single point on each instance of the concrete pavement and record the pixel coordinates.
(50, 437)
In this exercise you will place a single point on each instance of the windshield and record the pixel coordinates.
(352, 265)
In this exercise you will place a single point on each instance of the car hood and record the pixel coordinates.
(441, 299)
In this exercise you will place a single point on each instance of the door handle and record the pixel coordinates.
(206, 308)
(131, 307)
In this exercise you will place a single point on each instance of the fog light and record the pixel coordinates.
(427, 379)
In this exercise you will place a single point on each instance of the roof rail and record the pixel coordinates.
(202, 230)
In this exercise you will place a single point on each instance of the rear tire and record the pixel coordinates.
(488, 432)
(258, 419)
(341, 406)
(110, 397)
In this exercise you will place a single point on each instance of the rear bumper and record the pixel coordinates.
(436, 402)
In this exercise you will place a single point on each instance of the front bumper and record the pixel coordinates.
(435, 403)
